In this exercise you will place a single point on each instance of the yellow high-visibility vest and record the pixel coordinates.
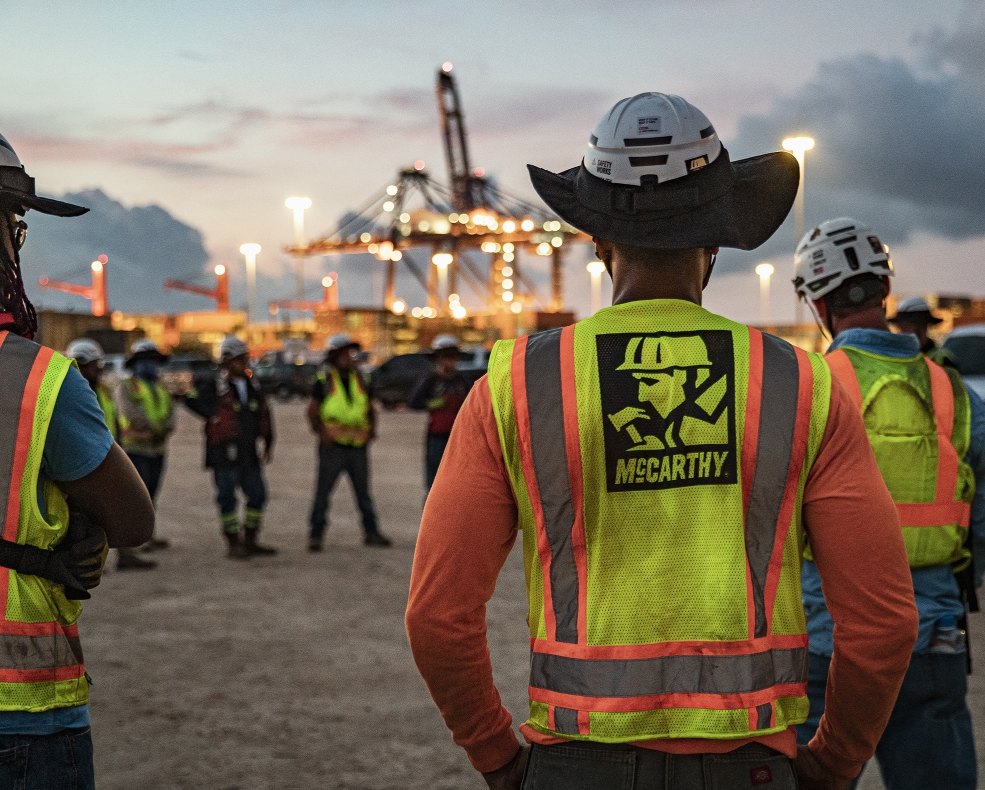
(918, 420)
(155, 403)
(110, 412)
(658, 477)
(347, 414)
(41, 665)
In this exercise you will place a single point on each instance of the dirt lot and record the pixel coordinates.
(291, 671)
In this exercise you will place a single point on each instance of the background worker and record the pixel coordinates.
(928, 433)
(442, 393)
(667, 630)
(237, 419)
(146, 420)
(74, 491)
(88, 355)
(913, 315)
(342, 417)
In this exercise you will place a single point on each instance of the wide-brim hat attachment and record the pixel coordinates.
(656, 175)
(17, 191)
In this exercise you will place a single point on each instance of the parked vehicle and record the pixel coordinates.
(967, 345)
(285, 377)
(393, 381)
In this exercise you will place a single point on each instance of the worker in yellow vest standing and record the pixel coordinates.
(68, 492)
(88, 355)
(928, 433)
(146, 419)
(664, 466)
(341, 416)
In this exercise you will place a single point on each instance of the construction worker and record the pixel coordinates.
(88, 355)
(237, 418)
(914, 315)
(146, 419)
(68, 492)
(928, 433)
(442, 394)
(342, 417)
(668, 641)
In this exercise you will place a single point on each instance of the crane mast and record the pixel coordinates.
(467, 188)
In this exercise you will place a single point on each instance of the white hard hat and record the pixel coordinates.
(144, 346)
(17, 188)
(338, 342)
(835, 251)
(232, 347)
(651, 134)
(915, 309)
(84, 351)
(444, 343)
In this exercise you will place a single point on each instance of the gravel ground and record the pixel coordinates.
(291, 671)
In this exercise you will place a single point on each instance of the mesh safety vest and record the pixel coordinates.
(918, 420)
(155, 403)
(40, 655)
(346, 413)
(658, 478)
(110, 412)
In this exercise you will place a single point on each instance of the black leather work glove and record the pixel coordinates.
(86, 548)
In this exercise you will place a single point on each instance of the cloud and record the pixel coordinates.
(145, 245)
(896, 149)
(960, 48)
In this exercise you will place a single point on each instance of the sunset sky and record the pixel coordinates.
(194, 121)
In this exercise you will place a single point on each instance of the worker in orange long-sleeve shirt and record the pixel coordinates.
(665, 467)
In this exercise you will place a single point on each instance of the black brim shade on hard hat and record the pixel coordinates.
(725, 204)
(17, 194)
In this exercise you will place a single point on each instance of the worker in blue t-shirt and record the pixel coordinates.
(88, 496)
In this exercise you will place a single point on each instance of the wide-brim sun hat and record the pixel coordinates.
(914, 310)
(663, 180)
(17, 191)
(145, 349)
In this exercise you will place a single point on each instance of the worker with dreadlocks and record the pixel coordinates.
(74, 492)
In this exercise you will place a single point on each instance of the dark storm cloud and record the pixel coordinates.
(900, 151)
(145, 245)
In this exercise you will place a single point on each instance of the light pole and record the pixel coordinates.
(798, 146)
(595, 269)
(765, 271)
(250, 251)
(299, 205)
(442, 260)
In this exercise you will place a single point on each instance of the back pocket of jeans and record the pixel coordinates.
(731, 772)
(572, 767)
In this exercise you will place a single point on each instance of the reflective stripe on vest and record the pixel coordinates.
(40, 660)
(574, 677)
(944, 509)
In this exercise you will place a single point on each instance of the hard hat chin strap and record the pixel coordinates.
(711, 267)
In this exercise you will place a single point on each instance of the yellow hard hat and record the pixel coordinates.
(665, 353)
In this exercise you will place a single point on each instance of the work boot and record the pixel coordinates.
(237, 550)
(252, 547)
(314, 544)
(129, 560)
(155, 544)
(377, 539)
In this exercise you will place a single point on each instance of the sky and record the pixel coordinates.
(184, 125)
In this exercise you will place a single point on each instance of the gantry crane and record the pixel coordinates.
(95, 293)
(220, 293)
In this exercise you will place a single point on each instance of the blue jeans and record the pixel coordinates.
(151, 469)
(333, 460)
(249, 479)
(434, 449)
(929, 740)
(594, 766)
(61, 761)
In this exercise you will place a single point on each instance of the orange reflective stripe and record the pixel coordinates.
(942, 398)
(933, 514)
(843, 370)
(751, 700)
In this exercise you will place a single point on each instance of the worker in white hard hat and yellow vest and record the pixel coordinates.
(928, 433)
(68, 492)
(664, 467)
(341, 416)
(88, 355)
(146, 420)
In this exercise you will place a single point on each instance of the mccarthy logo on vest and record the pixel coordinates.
(668, 404)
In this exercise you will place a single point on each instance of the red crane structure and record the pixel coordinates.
(220, 293)
(329, 301)
(95, 293)
(453, 223)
